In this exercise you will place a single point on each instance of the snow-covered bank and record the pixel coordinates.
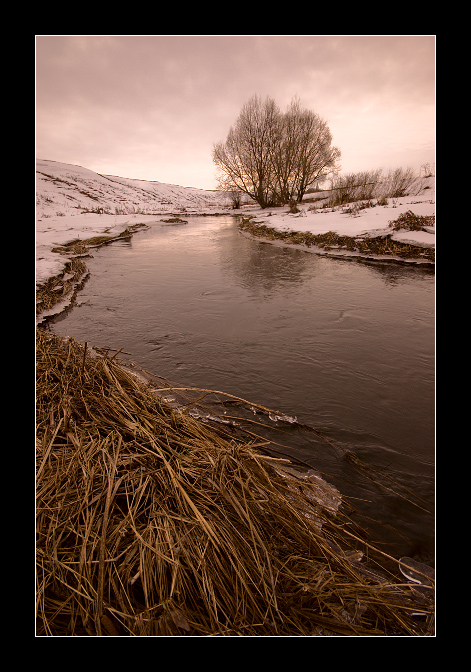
(57, 231)
(354, 221)
(63, 189)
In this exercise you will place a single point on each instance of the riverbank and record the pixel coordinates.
(379, 247)
(152, 523)
(388, 230)
(61, 269)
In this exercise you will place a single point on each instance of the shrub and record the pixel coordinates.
(367, 185)
(399, 182)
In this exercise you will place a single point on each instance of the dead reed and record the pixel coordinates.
(149, 523)
(60, 286)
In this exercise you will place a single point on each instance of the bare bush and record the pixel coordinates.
(399, 182)
(366, 185)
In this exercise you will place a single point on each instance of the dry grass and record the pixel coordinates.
(60, 286)
(149, 523)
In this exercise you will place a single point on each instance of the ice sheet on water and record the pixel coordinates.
(284, 418)
(198, 414)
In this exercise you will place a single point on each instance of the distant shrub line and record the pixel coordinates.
(366, 185)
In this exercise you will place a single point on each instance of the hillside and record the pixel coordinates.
(64, 189)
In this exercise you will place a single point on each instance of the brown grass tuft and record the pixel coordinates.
(149, 523)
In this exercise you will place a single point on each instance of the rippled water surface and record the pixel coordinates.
(344, 345)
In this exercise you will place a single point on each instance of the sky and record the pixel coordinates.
(152, 107)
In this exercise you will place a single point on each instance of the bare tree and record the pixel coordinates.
(315, 155)
(236, 198)
(275, 157)
(244, 160)
(285, 156)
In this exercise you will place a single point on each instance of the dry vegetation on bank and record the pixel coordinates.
(331, 241)
(151, 523)
(75, 272)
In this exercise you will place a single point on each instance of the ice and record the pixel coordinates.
(284, 418)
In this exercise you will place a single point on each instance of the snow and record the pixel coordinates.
(419, 238)
(111, 204)
(372, 221)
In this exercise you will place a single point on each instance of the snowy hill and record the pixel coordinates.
(64, 189)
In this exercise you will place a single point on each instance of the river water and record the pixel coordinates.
(343, 345)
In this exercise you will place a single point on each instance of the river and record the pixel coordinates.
(343, 345)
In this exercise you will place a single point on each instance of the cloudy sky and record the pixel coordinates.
(151, 107)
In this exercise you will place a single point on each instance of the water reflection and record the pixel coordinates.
(268, 264)
(396, 273)
(261, 268)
